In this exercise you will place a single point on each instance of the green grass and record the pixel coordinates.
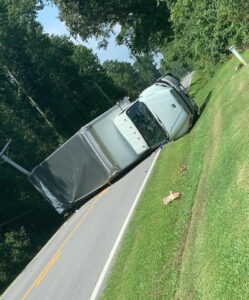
(196, 247)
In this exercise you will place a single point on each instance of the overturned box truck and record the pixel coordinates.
(101, 150)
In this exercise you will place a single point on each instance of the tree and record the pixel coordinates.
(147, 69)
(144, 24)
(68, 84)
(124, 76)
(14, 253)
(133, 78)
(204, 30)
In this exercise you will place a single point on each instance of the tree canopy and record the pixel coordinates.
(133, 78)
(191, 33)
(204, 30)
(144, 23)
(60, 78)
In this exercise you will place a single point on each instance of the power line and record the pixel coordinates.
(65, 111)
(31, 100)
(19, 216)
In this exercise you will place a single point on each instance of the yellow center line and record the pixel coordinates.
(47, 268)
(58, 252)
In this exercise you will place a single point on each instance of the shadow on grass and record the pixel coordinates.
(204, 104)
(202, 108)
(194, 83)
(191, 86)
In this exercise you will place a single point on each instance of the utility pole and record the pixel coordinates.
(31, 100)
(10, 161)
(236, 53)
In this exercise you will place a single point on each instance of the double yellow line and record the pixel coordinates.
(47, 268)
(59, 251)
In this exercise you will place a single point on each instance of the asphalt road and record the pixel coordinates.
(73, 264)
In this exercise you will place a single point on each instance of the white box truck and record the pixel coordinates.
(103, 149)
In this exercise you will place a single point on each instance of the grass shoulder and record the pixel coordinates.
(197, 246)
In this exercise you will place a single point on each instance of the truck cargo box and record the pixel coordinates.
(85, 163)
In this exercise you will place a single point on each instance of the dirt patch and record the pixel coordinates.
(240, 123)
(241, 86)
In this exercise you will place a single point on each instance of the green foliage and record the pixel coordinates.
(204, 30)
(123, 75)
(177, 67)
(147, 69)
(61, 78)
(14, 253)
(144, 24)
(194, 33)
(133, 78)
(57, 74)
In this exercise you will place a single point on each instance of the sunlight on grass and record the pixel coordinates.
(197, 246)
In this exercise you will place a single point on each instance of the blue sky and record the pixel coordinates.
(48, 17)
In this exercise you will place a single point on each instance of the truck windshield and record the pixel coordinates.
(146, 123)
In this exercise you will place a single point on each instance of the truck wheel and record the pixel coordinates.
(67, 214)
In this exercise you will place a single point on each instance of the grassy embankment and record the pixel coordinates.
(196, 247)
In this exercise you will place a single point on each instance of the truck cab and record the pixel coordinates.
(163, 112)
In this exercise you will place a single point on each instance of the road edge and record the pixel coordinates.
(121, 233)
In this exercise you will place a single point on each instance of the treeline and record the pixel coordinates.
(49, 88)
(189, 34)
(203, 31)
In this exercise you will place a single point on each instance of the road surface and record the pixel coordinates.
(74, 262)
